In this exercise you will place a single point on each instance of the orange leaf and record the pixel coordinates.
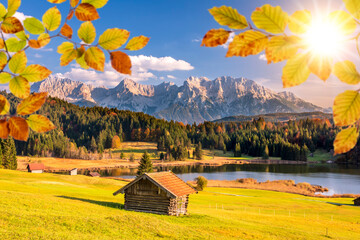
(73, 3)
(19, 128)
(70, 15)
(40, 124)
(4, 129)
(31, 104)
(11, 25)
(4, 105)
(86, 12)
(137, 43)
(120, 62)
(247, 43)
(95, 58)
(56, 1)
(42, 41)
(321, 66)
(66, 31)
(215, 37)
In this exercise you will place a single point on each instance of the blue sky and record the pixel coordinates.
(174, 53)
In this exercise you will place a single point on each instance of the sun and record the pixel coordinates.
(324, 37)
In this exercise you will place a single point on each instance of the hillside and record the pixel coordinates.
(47, 206)
(197, 100)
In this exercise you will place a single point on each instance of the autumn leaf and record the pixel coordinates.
(70, 15)
(39, 123)
(137, 43)
(52, 19)
(73, 3)
(229, 16)
(17, 63)
(5, 77)
(20, 87)
(32, 103)
(4, 129)
(120, 62)
(22, 36)
(11, 25)
(345, 140)
(2, 43)
(320, 65)
(96, 3)
(15, 45)
(296, 71)
(3, 12)
(247, 43)
(346, 72)
(80, 58)
(86, 12)
(269, 18)
(19, 128)
(280, 48)
(35, 73)
(95, 58)
(113, 38)
(346, 109)
(42, 41)
(87, 32)
(68, 53)
(4, 105)
(300, 21)
(34, 26)
(3, 60)
(347, 24)
(66, 31)
(56, 1)
(353, 6)
(13, 6)
(215, 37)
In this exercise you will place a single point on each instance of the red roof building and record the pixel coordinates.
(94, 174)
(36, 167)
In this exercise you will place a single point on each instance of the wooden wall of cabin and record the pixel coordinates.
(178, 206)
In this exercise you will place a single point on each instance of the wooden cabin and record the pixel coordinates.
(36, 167)
(357, 201)
(73, 172)
(94, 174)
(160, 193)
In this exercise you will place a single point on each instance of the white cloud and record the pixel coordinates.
(141, 66)
(196, 40)
(262, 57)
(37, 55)
(45, 49)
(231, 38)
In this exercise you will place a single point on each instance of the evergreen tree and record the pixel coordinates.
(237, 152)
(93, 145)
(145, 164)
(266, 153)
(198, 153)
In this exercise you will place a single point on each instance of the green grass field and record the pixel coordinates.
(49, 206)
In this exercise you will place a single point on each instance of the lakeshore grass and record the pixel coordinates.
(50, 206)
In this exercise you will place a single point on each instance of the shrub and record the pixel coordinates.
(201, 183)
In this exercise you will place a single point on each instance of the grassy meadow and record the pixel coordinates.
(49, 206)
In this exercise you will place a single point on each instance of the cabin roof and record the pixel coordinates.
(36, 166)
(168, 181)
(94, 174)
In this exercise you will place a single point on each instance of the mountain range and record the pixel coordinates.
(198, 99)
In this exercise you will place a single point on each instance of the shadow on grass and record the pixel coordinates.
(341, 204)
(101, 203)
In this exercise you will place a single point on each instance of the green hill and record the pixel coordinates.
(48, 206)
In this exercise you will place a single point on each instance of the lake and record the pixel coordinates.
(338, 178)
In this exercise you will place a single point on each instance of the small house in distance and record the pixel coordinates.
(36, 167)
(94, 174)
(73, 172)
(357, 201)
(160, 193)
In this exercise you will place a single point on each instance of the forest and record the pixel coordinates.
(82, 130)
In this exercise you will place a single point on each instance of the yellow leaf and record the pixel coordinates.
(87, 32)
(66, 31)
(113, 38)
(14, 45)
(42, 41)
(345, 140)
(300, 21)
(353, 6)
(56, 1)
(20, 87)
(52, 19)
(271, 19)
(22, 36)
(247, 43)
(120, 62)
(80, 59)
(4, 105)
(4, 129)
(229, 16)
(96, 3)
(320, 65)
(19, 129)
(137, 43)
(280, 48)
(3, 11)
(31, 104)
(345, 22)
(5, 77)
(215, 37)
(17, 63)
(95, 58)
(3, 60)
(35, 73)
(13, 6)
(39, 123)
(68, 53)
(296, 71)
(346, 72)
(33, 25)
(73, 3)
(11, 25)
(86, 12)
(346, 109)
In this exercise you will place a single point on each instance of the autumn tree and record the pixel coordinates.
(34, 33)
(115, 143)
